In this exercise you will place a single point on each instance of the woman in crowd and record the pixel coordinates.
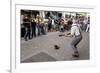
(38, 23)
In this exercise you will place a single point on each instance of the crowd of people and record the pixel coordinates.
(34, 26)
(29, 26)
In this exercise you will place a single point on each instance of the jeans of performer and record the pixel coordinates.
(75, 42)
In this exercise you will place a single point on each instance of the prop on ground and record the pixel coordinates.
(56, 47)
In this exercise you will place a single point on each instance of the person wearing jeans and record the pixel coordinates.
(77, 37)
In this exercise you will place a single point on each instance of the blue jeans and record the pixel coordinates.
(75, 42)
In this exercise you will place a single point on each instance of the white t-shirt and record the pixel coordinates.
(75, 30)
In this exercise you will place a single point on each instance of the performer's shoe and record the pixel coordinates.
(76, 54)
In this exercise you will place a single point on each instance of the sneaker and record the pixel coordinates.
(56, 47)
(76, 54)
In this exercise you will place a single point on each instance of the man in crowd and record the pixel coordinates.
(26, 22)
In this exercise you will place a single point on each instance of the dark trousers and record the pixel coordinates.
(22, 30)
(33, 29)
(49, 27)
(42, 30)
(39, 29)
(28, 31)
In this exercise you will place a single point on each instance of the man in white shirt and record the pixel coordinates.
(76, 33)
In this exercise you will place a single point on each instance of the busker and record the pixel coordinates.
(77, 37)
